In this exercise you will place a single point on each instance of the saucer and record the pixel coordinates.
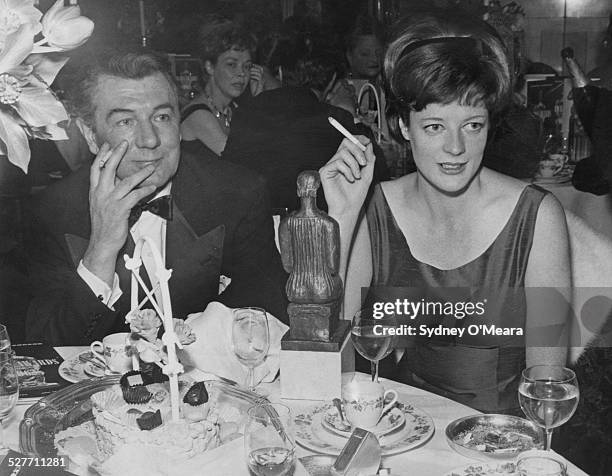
(93, 370)
(391, 421)
(416, 431)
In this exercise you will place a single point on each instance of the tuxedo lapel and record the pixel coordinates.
(193, 259)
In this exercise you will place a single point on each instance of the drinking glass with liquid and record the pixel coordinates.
(9, 392)
(548, 395)
(269, 440)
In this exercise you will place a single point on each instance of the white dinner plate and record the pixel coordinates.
(507, 468)
(391, 421)
(310, 434)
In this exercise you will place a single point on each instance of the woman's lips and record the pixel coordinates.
(452, 168)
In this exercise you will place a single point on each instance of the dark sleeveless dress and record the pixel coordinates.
(478, 370)
(195, 146)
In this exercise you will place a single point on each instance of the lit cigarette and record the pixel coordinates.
(346, 133)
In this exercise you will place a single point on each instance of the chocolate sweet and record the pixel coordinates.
(133, 388)
(196, 395)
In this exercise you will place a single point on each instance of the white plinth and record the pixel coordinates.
(315, 375)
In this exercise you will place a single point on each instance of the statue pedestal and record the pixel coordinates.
(313, 322)
(312, 370)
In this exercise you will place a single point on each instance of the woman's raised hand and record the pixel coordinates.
(347, 177)
(256, 79)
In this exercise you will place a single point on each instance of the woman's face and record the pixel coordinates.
(365, 59)
(448, 142)
(231, 72)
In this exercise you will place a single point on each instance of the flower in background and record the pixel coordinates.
(64, 27)
(28, 107)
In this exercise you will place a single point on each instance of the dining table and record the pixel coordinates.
(434, 457)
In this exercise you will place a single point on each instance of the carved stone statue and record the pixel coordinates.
(310, 250)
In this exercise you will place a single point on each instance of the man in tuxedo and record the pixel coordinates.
(217, 223)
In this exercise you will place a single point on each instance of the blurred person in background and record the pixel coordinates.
(285, 131)
(226, 50)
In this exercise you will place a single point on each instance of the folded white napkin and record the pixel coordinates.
(212, 353)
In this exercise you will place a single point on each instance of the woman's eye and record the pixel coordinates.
(433, 128)
(475, 126)
(163, 117)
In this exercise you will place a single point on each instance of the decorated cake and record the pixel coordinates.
(146, 427)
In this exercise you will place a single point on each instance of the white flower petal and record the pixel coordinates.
(46, 67)
(17, 47)
(38, 107)
(15, 142)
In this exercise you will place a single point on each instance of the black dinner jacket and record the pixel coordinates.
(221, 225)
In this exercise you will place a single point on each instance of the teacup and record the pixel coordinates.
(113, 351)
(364, 403)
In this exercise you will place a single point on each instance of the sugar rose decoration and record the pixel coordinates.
(28, 107)
(144, 328)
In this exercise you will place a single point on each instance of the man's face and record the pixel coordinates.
(144, 112)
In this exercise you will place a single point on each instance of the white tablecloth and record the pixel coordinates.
(434, 458)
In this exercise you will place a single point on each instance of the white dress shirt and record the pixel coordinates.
(149, 225)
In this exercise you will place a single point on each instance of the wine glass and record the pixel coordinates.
(5, 341)
(548, 395)
(269, 440)
(371, 339)
(9, 391)
(250, 339)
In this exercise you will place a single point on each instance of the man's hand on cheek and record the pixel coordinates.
(110, 202)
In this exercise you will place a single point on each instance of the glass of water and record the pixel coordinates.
(548, 395)
(9, 392)
(269, 441)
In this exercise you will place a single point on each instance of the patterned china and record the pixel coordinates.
(310, 433)
(390, 421)
(364, 403)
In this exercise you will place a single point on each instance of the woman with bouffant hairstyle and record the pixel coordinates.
(464, 241)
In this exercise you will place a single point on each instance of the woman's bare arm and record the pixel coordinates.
(548, 287)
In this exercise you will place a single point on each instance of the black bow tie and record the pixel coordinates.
(161, 206)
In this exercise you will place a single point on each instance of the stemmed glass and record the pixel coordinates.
(9, 391)
(250, 339)
(548, 395)
(371, 339)
(269, 440)
(5, 341)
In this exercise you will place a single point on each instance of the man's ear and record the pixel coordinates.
(404, 129)
(89, 135)
(208, 66)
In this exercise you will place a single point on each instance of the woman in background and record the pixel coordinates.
(225, 49)
(454, 223)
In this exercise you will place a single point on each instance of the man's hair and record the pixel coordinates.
(442, 58)
(220, 35)
(119, 64)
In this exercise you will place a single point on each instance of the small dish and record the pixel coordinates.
(493, 437)
(391, 421)
(80, 367)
